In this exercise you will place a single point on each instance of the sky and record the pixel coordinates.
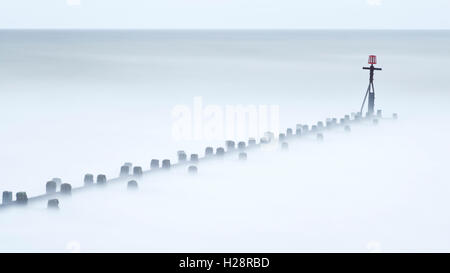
(225, 14)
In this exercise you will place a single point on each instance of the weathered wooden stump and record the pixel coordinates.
(124, 171)
(66, 189)
(288, 132)
(58, 181)
(209, 151)
(137, 171)
(230, 145)
(154, 164)
(220, 151)
(101, 179)
(166, 164)
(251, 142)
(194, 158)
(269, 136)
(241, 145)
(7, 197)
(132, 185)
(21, 198)
(192, 169)
(53, 204)
(320, 125)
(182, 157)
(242, 156)
(88, 179)
(379, 113)
(50, 187)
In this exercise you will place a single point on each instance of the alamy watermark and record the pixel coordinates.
(214, 122)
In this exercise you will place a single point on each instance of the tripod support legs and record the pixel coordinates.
(371, 94)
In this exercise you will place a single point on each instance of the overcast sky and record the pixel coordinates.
(231, 14)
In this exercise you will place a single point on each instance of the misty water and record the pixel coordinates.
(77, 102)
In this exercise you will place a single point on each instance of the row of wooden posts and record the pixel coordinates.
(65, 189)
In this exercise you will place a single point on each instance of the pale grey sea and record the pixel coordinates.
(76, 102)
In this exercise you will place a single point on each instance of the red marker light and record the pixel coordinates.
(372, 59)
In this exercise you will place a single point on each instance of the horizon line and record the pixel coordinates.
(242, 29)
